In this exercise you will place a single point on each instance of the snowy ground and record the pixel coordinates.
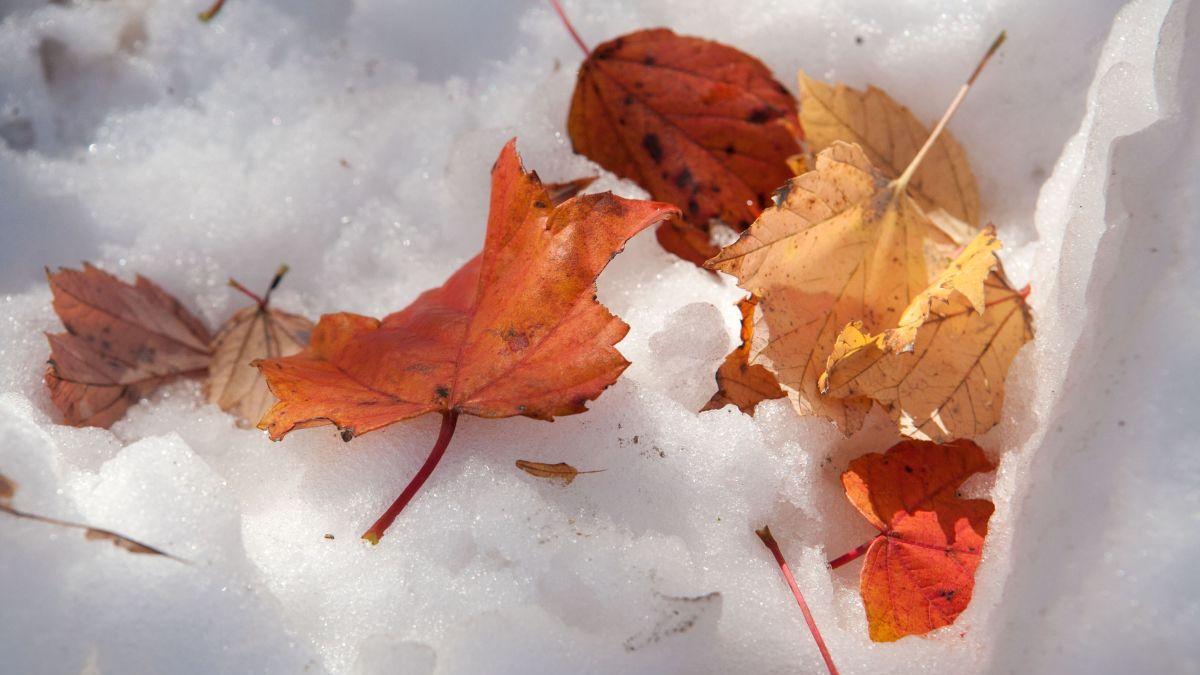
(352, 139)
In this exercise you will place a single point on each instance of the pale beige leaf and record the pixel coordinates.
(255, 332)
(891, 135)
(940, 373)
(842, 244)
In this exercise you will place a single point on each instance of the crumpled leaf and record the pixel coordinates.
(891, 135)
(842, 244)
(122, 342)
(739, 380)
(920, 571)
(693, 122)
(516, 331)
(8, 489)
(561, 192)
(940, 373)
(561, 471)
(256, 332)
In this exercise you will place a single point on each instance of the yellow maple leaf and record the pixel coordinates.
(940, 372)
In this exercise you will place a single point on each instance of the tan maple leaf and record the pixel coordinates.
(891, 135)
(255, 332)
(843, 242)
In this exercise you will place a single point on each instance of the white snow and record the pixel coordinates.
(352, 140)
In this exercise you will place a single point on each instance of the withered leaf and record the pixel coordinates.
(8, 488)
(256, 332)
(693, 122)
(940, 372)
(561, 471)
(891, 135)
(122, 342)
(561, 192)
(740, 381)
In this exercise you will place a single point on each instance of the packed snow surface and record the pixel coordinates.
(353, 140)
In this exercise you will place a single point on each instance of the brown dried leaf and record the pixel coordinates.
(891, 135)
(940, 373)
(740, 381)
(8, 488)
(131, 545)
(255, 332)
(561, 471)
(122, 342)
(561, 192)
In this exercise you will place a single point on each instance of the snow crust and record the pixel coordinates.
(353, 141)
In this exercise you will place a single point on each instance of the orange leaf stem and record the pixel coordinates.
(769, 541)
(852, 555)
(449, 420)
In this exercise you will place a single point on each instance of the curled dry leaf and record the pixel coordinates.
(740, 381)
(920, 571)
(890, 136)
(561, 471)
(256, 332)
(940, 373)
(561, 192)
(693, 122)
(8, 488)
(516, 331)
(122, 341)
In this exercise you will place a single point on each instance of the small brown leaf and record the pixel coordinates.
(131, 545)
(561, 471)
(122, 342)
(561, 192)
(255, 332)
(8, 488)
(739, 380)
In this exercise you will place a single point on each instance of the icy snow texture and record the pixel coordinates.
(353, 140)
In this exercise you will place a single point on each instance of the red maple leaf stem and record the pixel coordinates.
(571, 29)
(769, 541)
(449, 420)
(852, 555)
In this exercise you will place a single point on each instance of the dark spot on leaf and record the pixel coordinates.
(649, 60)
(442, 391)
(683, 179)
(652, 146)
(628, 99)
(908, 469)
(539, 204)
(729, 150)
(759, 115)
(693, 207)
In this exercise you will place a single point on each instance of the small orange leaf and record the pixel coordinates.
(122, 342)
(920, 571)
(516, 331)
(694, 122)
(739, 381)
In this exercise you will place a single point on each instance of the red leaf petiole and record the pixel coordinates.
(449, 420)
(769, 541)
